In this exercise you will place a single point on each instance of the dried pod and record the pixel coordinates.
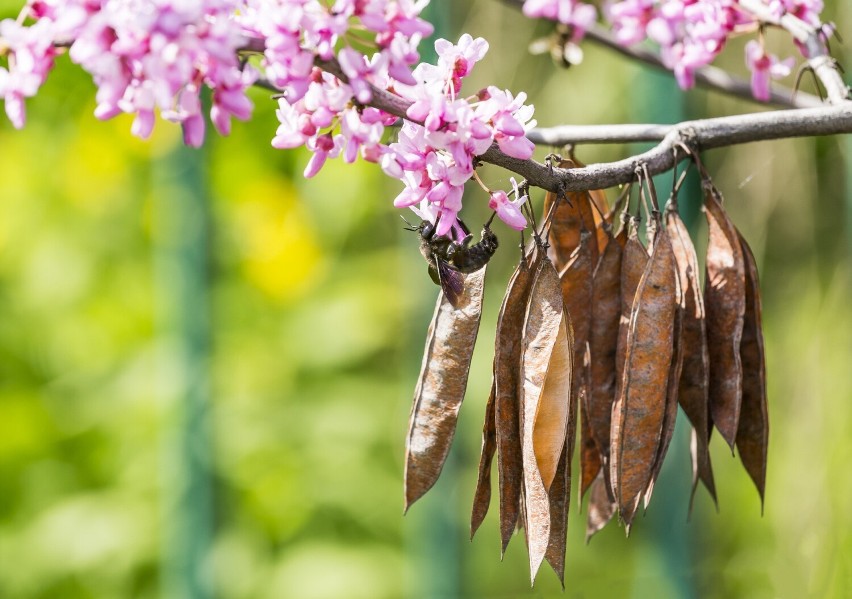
(546, 382)
(600, 208)
(482, 494)
(576, 280)
(507, 359)
(670, 415)
(572, 214)
(559, 497)
(724, 302)
(640, 408)
(603, 339)
(692, 392)
(753, 428)
(634, 261)
(590, 456)
(440, 389)
(601, 507)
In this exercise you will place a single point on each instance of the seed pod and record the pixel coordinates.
(572, 214)
(590, 457)
(603, 339)
(640, 409)
(601, 507)
(576, 279)
(692, 392)
(671, 391)
(482, 495)
(559, 497)
(546, 382)
(633, 264)
(440, 389)
(753, 428)
(507, 360)
(600, 208)
(724, 301)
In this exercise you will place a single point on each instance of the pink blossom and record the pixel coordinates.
(509, 211)
(763, 66)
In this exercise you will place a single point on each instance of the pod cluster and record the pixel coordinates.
(600, 336)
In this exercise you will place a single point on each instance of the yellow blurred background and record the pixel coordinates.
(165, 310)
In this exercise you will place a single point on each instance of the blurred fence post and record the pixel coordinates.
(182, 237)
(433, 539)
(665, 525)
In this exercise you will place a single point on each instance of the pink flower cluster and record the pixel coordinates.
(143, 55)
(435, 159)
(568, 12)
(691, 33)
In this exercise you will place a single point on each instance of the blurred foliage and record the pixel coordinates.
(320, 304)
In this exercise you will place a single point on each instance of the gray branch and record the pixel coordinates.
(697, 135)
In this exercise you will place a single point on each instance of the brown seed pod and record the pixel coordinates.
(633, 264)
(590, 456)
(640, 409)
(576, 279)
(753, 428)
(482, 494)
(600, 208)
(571, 215)
(559, 497)
(724, 302)
(546, 382)
(601, 507)
(670, 415)
(692, 392)
(507, 359)
(603, 339)
(441, 386)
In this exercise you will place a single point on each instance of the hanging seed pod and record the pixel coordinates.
(603, 339)
(640, 409)
(601, 507)
(482, 494)
(633, 264)
(600, 208)
(692, 392)
(724, 301)
(590, 456)
(670, 415)
(560, 498)
(571, 214)
(753, 428)
(507, 359)
(440, 389)
(546, 382)
(576, 279)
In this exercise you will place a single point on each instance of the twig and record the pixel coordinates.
(703, 134)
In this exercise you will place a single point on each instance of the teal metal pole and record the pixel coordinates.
(435, 534)
(667, 569)
(183, 231)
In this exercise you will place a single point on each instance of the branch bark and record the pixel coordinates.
(698, 135)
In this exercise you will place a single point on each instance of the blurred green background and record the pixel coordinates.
(205, 357)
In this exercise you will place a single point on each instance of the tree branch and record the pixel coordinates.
(699, 135)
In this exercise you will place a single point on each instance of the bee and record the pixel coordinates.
(448, 259)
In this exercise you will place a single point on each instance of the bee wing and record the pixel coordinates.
(451, 281)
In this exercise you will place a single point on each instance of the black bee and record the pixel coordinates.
(448, 259)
